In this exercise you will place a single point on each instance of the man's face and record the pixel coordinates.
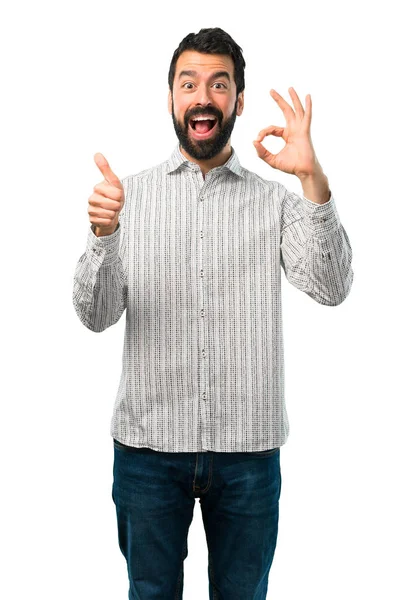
(204, 93)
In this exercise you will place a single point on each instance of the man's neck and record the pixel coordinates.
(207, 165)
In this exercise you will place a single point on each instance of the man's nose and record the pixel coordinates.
(203, 95)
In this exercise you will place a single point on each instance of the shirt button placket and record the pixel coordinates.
(203, 365)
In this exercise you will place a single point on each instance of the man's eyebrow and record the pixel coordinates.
(213, 76)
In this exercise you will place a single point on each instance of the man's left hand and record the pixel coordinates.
(298, 156)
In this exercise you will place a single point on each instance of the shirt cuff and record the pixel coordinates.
(103, 250)
(323, 219)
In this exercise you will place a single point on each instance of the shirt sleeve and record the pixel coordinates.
(100, 281)
(316, 253)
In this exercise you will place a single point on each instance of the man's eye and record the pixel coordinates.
(216, 83)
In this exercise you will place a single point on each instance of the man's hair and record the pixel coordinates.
(213, 40)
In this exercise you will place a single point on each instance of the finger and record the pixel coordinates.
(286, 108)
(264, 153)
(307, 115)
(103, 202)
(271, 130)
(105, 169)
(297, 103)
(106, 213)
(108, 190)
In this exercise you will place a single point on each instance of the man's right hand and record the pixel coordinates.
(107, 201)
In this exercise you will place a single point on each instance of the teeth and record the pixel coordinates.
(204, 119)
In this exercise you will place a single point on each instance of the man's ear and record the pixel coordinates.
(240, 104)
(169, 102)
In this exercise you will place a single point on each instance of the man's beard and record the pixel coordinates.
(205, 149)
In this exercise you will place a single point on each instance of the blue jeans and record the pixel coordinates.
(154, 494)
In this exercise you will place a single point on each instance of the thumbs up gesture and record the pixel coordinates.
(107, 199)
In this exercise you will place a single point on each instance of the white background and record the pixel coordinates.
(86, 77)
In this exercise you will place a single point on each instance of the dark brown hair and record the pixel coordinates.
(211, 41)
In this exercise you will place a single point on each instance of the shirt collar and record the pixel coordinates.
(177, 159)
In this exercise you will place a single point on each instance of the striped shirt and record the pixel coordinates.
(196, 263)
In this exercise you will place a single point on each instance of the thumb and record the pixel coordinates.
(263, 153)
(106, 171)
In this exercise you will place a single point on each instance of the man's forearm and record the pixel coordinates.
(100, 232)
(316, 187)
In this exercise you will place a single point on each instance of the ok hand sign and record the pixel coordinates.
(298, 156)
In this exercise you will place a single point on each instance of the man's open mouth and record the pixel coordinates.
(203, 127)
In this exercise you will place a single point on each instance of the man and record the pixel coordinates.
(192, 248)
